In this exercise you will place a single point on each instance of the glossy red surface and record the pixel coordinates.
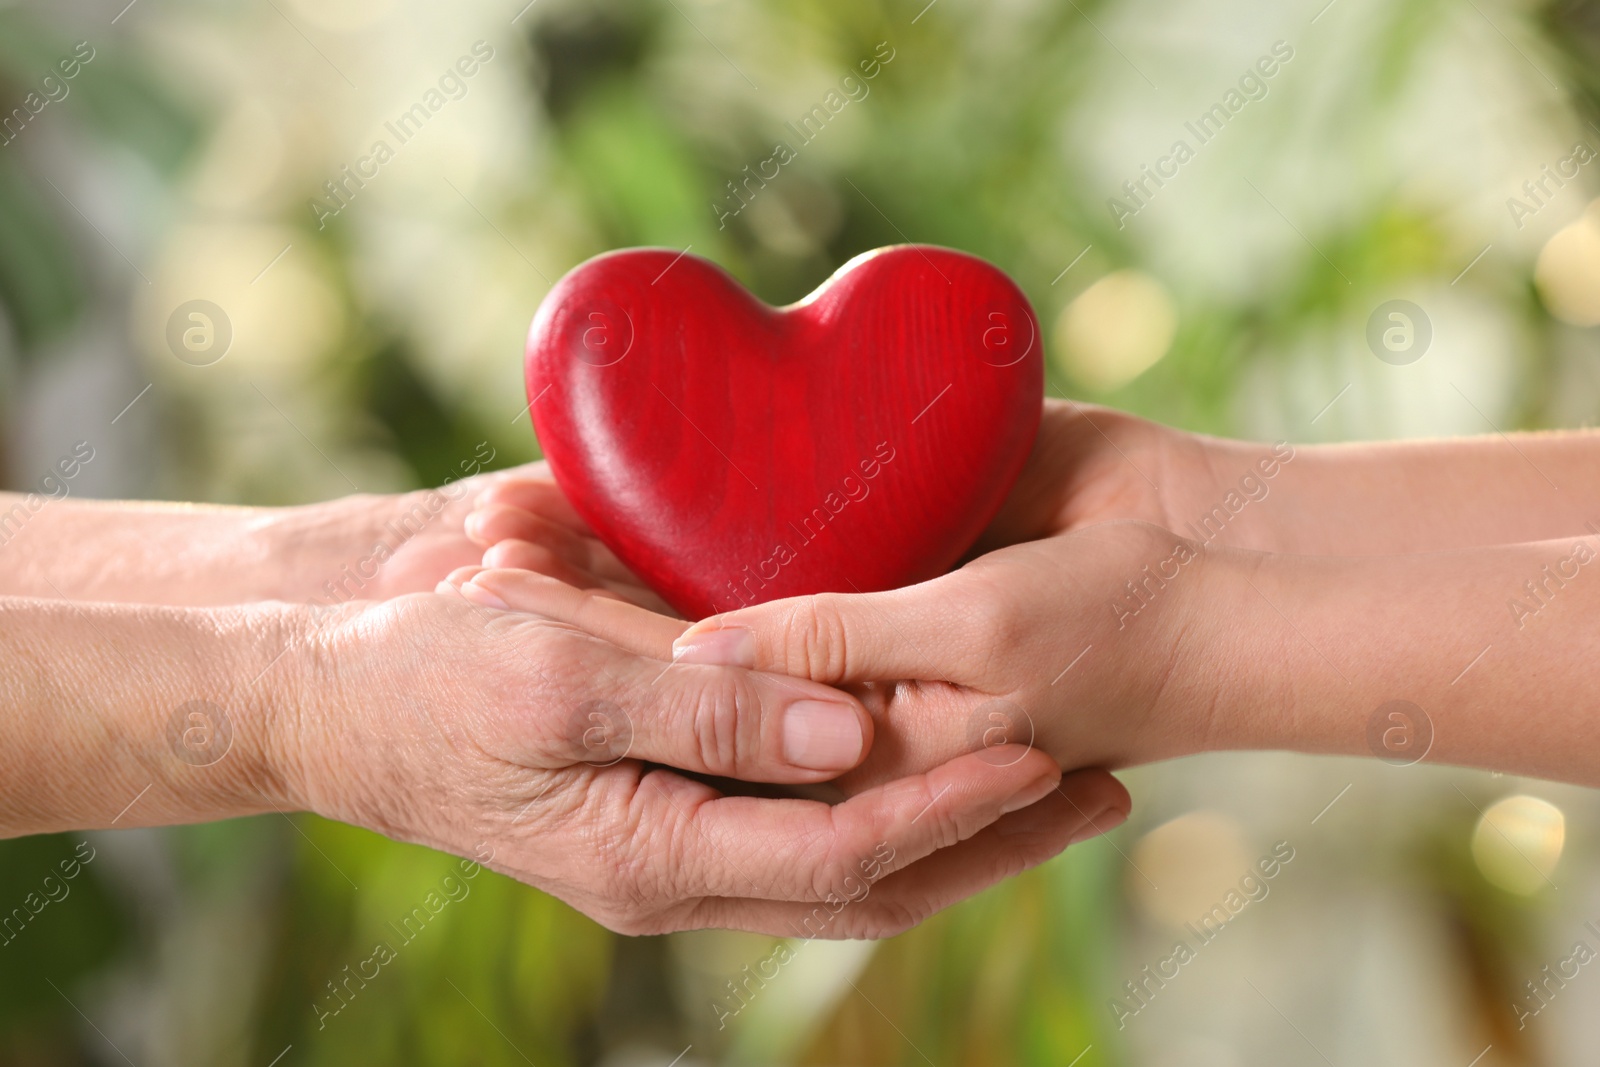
(731, 452)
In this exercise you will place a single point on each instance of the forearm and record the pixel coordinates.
(142, 716)
(1394, 497)
(1496, 646)
(204, 555)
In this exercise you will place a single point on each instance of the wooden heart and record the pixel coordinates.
(732, 453)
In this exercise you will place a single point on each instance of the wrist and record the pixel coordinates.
(1235, 655)
(1220, 492)
(356, 736)
(371, 547)
(231, 719)
(303, 550)
(140, 716)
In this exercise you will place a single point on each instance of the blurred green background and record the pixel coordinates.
(1432, 151)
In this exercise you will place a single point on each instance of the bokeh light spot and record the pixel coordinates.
(1518, 843)
(1115, 330)
(1568, 271)
(1185, 866)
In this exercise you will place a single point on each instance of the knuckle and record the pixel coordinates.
(948, 829)
(895, 917)
(626, 862)
(943, 821)
(828, 863)
(724, 724)
(815, 641)
(993, 620)
(630, 923)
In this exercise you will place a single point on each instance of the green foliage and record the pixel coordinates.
(43, 286)
(458, 953)
(55, 933)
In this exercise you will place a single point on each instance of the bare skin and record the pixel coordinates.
(312, 640)
(1333, 580)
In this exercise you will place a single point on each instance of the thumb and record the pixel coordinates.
(843, 638)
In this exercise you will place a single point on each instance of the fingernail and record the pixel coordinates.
(1032, 793)
(479, 595)
(730, 646)
(1102, 823)
(820, 736)
(473, 527)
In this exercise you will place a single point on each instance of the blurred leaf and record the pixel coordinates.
(55, 930)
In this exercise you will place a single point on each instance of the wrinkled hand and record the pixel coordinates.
(1065, 644)
(423, 535)
(477, 730)
(443, 544)
(524, 522)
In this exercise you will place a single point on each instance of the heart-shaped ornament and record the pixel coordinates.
(731, 453)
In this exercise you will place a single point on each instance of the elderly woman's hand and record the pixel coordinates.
(524, 743)
(475, 730)
(367, 546)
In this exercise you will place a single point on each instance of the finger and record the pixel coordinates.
(642, 632)
(527, 556)
(491, 523)
(539, 559)
(452, 581)
(1099, 801)
(537, 494)
(802, 850)
(516, 554)
(1015, 843)
(521, 555)
(921, 631)
(713, 721)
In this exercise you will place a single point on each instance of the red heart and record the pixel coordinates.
(731, 453)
